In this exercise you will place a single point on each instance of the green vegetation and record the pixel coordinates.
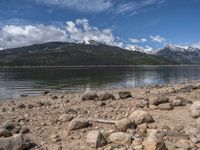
(72, 54)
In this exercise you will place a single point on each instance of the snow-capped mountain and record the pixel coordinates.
(181, 54)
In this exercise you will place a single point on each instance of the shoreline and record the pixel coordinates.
(49, 118)
(98, 66)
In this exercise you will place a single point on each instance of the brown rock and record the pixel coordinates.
(157, 99)
(154, 143)
(120, 138)
(106, 96)
(141, 116)
(89, 95)
(95, 139)
(78, 123)
(166, 106)
(124, 124)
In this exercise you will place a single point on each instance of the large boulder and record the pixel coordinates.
(153, 142)
(195, 109)
(89, 95)
(125, 94)
(124, 124)
(157, 99)
(120, 138)
(105, 96)
(17, 142)
(78, 123)
(140, 116)
(95, 139)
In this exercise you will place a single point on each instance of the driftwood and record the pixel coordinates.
(102, 121)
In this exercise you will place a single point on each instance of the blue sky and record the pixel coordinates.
(147, 23)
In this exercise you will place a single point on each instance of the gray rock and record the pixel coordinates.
(166, 106)
(141, 116)
(195, 109)
(125, 94)
(120, 138)
(5, 133)
(16, 142)
(177, 102)
(95, 139)
(124, 124)
(8, 125)
(70, 111)
(157, 99)
(106, 96)
(66, 117)
(89, 95)
(78, 123)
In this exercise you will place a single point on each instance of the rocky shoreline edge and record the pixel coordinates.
(161, 117)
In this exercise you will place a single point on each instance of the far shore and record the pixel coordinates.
(98, 66)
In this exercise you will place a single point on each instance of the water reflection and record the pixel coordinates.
(17, 81)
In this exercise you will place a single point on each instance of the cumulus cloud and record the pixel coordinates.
(146, 49)
(81, 5)
(16, 36)
(158, 39)
(79, 30)
(134, 40)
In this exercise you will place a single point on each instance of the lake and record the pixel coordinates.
(31, 81)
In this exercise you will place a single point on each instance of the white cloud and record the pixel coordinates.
(134, 40)
(133, 7)
(81, 5)
(196, 44)
(16, 36)
(79, 30)
(146, 49)
(158, 39)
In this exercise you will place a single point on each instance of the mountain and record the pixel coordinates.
(73, 54)
(182, 55)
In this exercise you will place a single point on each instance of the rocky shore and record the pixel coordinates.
(162, 117)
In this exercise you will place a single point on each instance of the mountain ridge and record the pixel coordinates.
(73, 54)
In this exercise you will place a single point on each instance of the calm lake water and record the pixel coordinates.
(17, 81)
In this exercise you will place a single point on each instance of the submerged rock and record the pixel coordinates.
(95, 139)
